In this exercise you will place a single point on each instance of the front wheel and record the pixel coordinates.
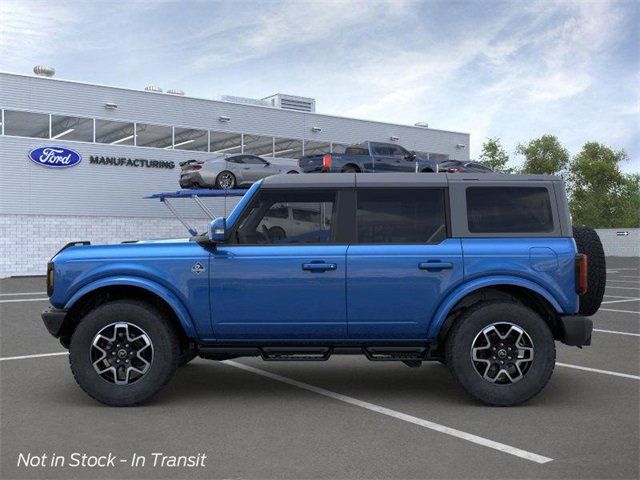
(123, 352)
(502, 353)
(225, 180)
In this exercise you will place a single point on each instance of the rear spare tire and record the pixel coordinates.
(588, 242)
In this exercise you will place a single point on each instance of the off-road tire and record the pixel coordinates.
(459, 357)
(166, 352)
(588, 242)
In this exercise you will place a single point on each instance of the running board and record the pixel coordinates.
(295, 354)
(394, 354)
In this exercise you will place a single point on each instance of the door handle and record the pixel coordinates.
(435, 266)
(319, 266)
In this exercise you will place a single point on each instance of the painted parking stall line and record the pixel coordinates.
(616, 332)
(18, 300)
(618, 311)
(485, 442)
(21, 293)
(38, 355)
(620, 301)
(597, 370)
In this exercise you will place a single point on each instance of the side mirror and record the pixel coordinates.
(410, 156)
(217, 232)
(267, 163)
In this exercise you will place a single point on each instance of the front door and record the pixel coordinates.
(402, 264)
(281, 280)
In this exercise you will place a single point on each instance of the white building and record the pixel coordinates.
(147, 133)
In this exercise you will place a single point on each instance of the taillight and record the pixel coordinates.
(298, 162)
(50, 278)
(581, 273)
(326, 161)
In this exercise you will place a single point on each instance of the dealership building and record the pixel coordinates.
(129, 144)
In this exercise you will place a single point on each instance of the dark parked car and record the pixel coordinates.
(459, 166)
(368, 157)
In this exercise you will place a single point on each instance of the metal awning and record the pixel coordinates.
(196, 195)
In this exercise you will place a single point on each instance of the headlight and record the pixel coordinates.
(50, 277)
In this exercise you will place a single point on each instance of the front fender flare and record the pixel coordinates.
(462, 291)
(174, 302)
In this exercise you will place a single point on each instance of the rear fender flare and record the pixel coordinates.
(172, 300)
(463, 290)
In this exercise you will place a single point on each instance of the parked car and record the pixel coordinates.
(230, 171)
(481, 274)
(368, 157)
(284, 222)
(459, 166)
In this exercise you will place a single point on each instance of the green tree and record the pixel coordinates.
(543, 155)
(494, 156)
(601, 195)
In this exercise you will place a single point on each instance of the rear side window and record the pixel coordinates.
(509, 210)
(401, 216)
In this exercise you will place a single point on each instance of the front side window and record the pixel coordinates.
(392, 215)
(268, 220)
(251, 160)
(26, 124)
(509, 210)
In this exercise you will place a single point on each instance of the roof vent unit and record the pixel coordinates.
(44, 71)
(244, 100)
(152, 88)
(175, 91)
(292, 102)
(422, 124)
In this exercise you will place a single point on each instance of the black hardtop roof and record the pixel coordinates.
(325, 180)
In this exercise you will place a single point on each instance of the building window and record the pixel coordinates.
(114, 133)
(509, 210)
(287, 148)
(389, 215)
(316, 148)
(26, 124)
(190, 139)
(225, 143)
(258, 145)
(158, 136)
(72, 128)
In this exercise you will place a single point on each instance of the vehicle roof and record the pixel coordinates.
(324, 180)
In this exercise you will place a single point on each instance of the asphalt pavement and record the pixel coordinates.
(346, 418)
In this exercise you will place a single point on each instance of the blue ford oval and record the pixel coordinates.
(55, 157)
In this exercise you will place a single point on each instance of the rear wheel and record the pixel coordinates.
(292, 172)
(277, 233)
(588, 242)
(502, 353)
(123, 352)
(350, 169)
(225, 180)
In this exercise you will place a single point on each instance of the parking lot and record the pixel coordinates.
(345, 418)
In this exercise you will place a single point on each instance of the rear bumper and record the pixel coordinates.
(575, 330)
(54, 319)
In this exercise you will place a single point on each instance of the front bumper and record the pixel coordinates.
(54, 319)
(575, 330)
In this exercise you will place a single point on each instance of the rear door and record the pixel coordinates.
(278, 280)
(403, 263)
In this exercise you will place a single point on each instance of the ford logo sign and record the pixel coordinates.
(55, 157)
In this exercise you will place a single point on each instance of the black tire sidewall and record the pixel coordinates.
(460, 341)
(226, 172)
(166, 352)
(588, 242)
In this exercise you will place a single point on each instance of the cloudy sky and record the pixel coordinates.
(515, 70)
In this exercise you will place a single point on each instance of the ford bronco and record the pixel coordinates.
(481, 272)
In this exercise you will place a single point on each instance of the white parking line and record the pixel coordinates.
(21, 293)
(25, 300)
(619, 311)
(624, 281)
(620, 301)
(629, 276)
(39, 355)
(622, 288)
(616, 332)
(485, 442)
(597, 370)
(616, 296)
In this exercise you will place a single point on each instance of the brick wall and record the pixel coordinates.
(27, 242)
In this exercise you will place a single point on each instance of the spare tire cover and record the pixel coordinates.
(588, 242)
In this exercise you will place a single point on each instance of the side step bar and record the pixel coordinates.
(305, 354)
(394, 354)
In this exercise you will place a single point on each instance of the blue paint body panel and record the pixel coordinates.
(318, 293)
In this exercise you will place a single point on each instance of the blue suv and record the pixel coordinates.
(482, 272)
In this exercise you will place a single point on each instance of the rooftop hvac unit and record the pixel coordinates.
(152, 88)
(244, 100)
(292, 102)
(44, 71)
(175, 91)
